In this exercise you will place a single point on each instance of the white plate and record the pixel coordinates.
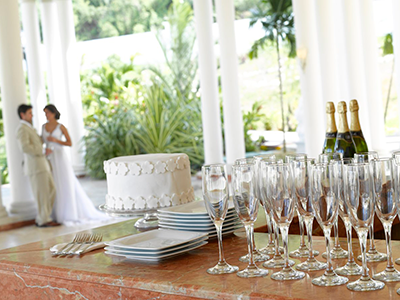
(234, 225)
(196, 208)
(159, 257)
(155, 239)
(154, 253)
(196, 225)
(189, 220)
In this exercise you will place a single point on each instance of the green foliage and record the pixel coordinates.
(134, 111)
(387, 47)
(178, 52)
(250, 120)
(277, 19)
(170, 125)
(106, 18)
(109, 135)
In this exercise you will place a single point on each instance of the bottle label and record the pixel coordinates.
(357, 134)
(331, 134)
(345, 136)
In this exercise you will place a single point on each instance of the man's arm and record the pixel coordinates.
(25, 146)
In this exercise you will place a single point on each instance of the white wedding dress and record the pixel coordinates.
(72, 206)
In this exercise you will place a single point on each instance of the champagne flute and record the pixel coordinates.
(351, 267)
(372, 255)
(337, 251)
(396, 157)
(280, 189)
(386, 209)
(277, 261)
(270, 248)
(302, 251)
(246, 206)
(257, 255)
(216, 195)
(302, 187)
(359, 198)
(326, 205)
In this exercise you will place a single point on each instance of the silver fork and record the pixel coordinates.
(75, 240)
(82, 239)
(95, 239)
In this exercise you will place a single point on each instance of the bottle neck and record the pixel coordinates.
(330, 123)
(355, 122)
(343, 126)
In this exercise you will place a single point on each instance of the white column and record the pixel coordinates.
(233, 122)
(310, 79)
(354, 59)
(396, 46)
(71, 63)
(372, 78)
(13, 93)
(54, 65)
(212, 133)
(327, 45)
(37, 85)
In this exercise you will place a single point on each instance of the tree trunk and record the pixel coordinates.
(281, 91)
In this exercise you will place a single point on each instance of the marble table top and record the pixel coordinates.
(29, 271)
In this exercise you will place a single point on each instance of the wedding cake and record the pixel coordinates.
(150, 181)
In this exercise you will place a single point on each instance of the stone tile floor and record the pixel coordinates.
(95, 189)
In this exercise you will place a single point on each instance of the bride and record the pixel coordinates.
(71, 205)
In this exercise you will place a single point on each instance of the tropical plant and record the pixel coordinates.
(169, 125)
(277, 20)
(177, 46)
(250, 120)
(109, 135)
(160, 114)
(106, 18)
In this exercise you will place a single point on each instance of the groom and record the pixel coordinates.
(36, 167)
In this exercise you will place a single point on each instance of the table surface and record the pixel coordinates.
(31, 271)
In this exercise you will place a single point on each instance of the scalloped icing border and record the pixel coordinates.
(146, 167)
(151, 202)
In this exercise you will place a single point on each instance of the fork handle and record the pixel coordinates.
(62, 249)
(66, 251)
(80, 251)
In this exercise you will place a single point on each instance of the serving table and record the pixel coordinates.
(31, 272)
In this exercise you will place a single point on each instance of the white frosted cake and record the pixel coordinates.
(149, 181)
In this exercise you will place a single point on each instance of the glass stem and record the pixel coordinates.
(250, 242)
(309, 224)
(327, 233)
(388, 236)
(336, 233)
(285, 236)
(362, 236)
(276, 234)
(269, 226)
(349, 244)
(218, 227)
(371, 235)
(301, 225)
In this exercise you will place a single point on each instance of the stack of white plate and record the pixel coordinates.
(194, 217)
(156, 245)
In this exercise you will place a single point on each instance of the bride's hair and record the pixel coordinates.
(53, 109)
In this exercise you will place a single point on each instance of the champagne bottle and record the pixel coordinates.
(344, 142)
(355, 128)
(331, 131)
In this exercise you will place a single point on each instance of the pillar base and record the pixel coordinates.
(79, 170)
(27, 209)
(3, 212)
